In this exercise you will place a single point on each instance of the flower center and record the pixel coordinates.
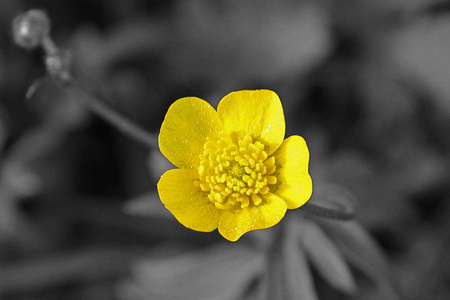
(235, 174)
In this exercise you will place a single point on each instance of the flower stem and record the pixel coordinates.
(112, 117)
(49, 46)
(31, 30)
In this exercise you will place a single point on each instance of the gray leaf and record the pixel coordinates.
(299, 284)
(327, 259)
(363, 253)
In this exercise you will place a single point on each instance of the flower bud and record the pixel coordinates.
(30, 28)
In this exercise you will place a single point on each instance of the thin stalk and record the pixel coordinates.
(112, 117)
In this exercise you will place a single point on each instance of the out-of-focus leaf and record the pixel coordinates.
(363, 253)
(421, 50)
(331, 201)
(327, 259)
(136, 37)
(222, 272)
(158, 164)
(35, 275)
(147, 205)
(3, 127)
(272, 283)
(298, 281)
(19, 180)
(8, 214)
(238, 41)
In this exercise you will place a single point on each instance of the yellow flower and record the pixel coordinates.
(236, 172)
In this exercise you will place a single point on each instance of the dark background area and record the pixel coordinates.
(366, 83)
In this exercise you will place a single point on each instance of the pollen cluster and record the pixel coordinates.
(235, 175)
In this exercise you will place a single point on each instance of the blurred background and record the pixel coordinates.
(366, 83)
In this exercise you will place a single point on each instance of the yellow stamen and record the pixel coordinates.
(235, 176)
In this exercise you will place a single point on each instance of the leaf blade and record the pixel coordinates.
(327, 259)
(361, 251)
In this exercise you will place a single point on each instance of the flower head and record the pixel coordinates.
(30, 28)
(236, 171)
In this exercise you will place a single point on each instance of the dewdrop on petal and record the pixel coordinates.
(30, 28)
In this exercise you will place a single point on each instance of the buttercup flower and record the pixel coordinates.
(236, 171)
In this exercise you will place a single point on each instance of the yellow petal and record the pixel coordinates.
(234, 223)
(188, 122)
(190, 206)
(294, 181)
(256, 113)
